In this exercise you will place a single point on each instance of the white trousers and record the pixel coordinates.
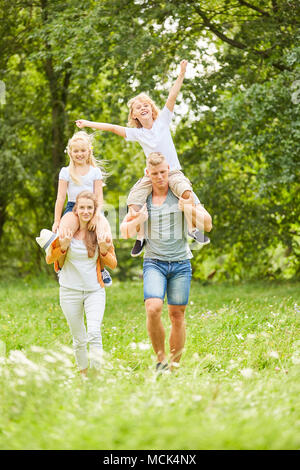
(74, 303)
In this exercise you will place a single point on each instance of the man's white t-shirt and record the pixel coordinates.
(157, 139)
(87, 181)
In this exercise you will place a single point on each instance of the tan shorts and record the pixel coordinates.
(178, 183)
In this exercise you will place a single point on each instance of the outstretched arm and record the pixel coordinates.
(176, 86)
(102, 126)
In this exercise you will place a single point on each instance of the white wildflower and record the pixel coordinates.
(247, 372)
(143, 346)
(295, 359)
(133, 345)
(197, 397)
(251, 336)
(67, 350)
(274, 354)
(37, 349)
(270, 325)
(18, 357)
(239, 336)
(49, 358)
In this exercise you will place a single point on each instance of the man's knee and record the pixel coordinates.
(153, 308)
(176, 313)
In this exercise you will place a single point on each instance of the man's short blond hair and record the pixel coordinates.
(155, 158)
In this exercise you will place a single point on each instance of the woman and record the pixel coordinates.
(78, 260)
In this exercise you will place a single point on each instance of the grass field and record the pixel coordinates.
(237, 388)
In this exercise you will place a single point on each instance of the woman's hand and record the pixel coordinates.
(92, 223)
(65, 239)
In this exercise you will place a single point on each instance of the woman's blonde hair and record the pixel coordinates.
(134, 122)
(88, 139)
(90, 238)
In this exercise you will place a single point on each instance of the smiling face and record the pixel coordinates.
(80, 152)
(85, 209)
(141, 109)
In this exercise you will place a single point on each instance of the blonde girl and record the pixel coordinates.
(151, 129)
(83, 173)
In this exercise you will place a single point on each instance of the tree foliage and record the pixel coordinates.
(238, 140)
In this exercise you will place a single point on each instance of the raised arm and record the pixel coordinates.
(102, 126)
(176, 86)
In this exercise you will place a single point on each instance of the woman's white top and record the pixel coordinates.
(87, 181)
(79, 271)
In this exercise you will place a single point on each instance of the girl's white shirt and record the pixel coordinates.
(157, 139)
(79, 271)
(87, 181)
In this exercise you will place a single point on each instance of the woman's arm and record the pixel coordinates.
(59, 204)
(102, 126)
(176, 87)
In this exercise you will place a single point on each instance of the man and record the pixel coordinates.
(167, 267)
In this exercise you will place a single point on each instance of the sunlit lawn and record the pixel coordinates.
(237, 388)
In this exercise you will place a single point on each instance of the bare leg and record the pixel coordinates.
(191, 227)
(140, 229)
(68, 221)
(177, 335)
(155, 327)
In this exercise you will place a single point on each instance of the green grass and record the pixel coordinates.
(237, 388)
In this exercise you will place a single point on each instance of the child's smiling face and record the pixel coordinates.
(141, 110)
(80, 152)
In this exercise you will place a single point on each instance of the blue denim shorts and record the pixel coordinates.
(69, 207)
(171, 277)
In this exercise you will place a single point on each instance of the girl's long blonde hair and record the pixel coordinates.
(88, 138)
(90, 238)
(134, 122)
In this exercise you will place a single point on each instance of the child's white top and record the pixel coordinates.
(79, 272)
(157, 139)
(87, 181)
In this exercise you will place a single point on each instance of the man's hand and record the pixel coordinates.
(185, 204)
(143, 214)
(65, 239)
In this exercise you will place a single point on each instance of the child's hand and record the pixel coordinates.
(55, 227)
(65, 239)
(81, 123)
(183, 65)
(92, 223)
